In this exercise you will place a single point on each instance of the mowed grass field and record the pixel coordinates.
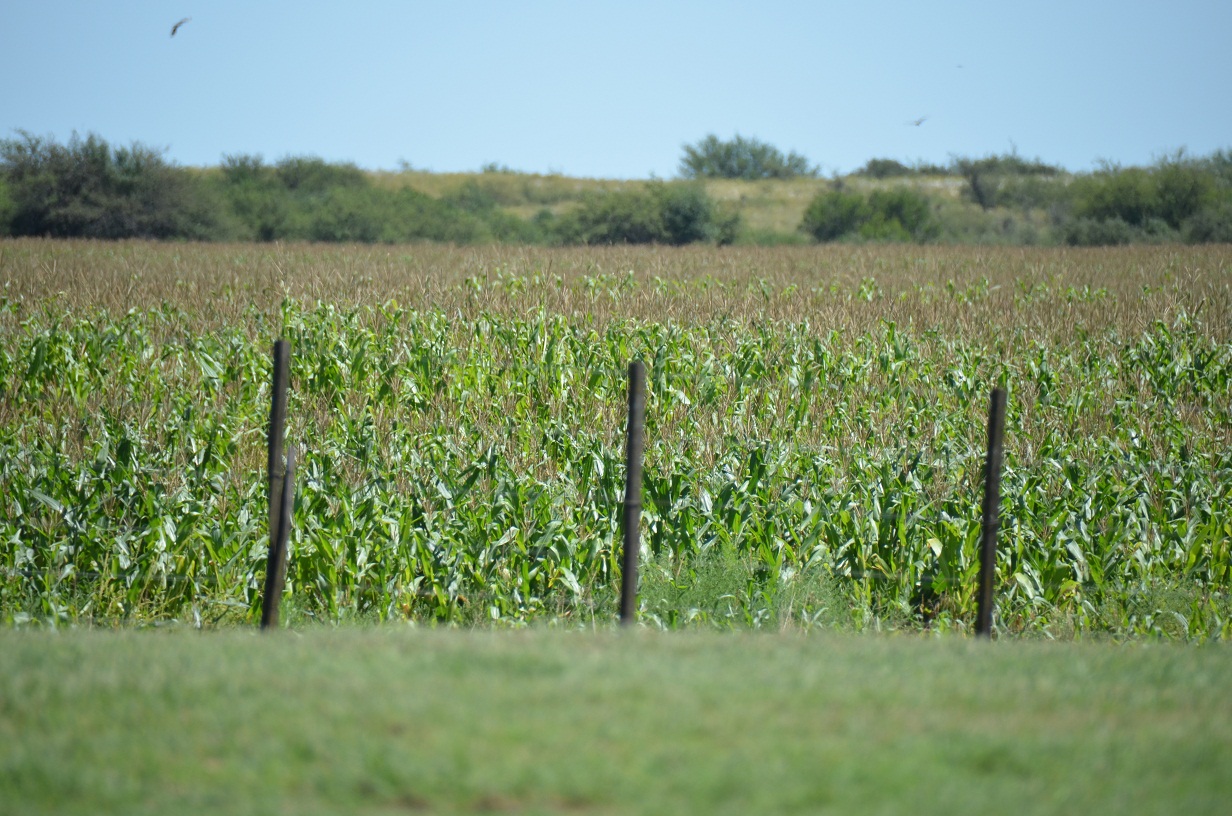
(815, 432)
(393, 720)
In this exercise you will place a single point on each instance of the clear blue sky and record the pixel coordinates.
(615, 89)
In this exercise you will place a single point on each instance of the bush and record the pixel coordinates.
(656, 214)
(987, 177)
(310, 174)
(615, 217)
(7, 208)
(1157, 204)
(1210, 226)
(898, 214)
(690, 215)
(741, 158)
(87, 189)
(1219, 166)
(241, 168)
(306, 199)
(960, 224)
(257, 203)
(1098, 232)
(1182, 189)
(349, 214)
(883, 169)
(833, 214)
(473, 197)
(1114, 194)
(1033, 192)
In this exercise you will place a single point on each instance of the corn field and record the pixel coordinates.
(815, 430)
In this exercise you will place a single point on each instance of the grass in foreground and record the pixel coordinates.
(394, 721)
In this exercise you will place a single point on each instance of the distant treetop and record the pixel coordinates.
(741, 158)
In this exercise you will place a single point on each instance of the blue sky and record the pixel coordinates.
(615, 89)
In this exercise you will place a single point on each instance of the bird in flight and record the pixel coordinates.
(176, 27)
(917, 122)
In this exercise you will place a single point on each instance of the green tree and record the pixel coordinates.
(87, 189)
(741, 158)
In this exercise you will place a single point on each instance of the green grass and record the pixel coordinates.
(396, 720)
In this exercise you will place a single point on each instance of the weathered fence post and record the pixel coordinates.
(633, 491)
(277, 474)
(992, 511)
(276, 564)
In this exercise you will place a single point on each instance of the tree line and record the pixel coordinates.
(88, 188)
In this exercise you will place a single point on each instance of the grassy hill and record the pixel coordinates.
(770, 209)
(87, 189)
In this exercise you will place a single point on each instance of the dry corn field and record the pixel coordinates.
(815, 426)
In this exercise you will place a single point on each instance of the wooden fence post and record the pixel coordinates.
(992, 511)
(276, 564)
(275, 468)
(633, 491)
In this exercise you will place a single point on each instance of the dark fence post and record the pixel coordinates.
(992, 511)
(633, 491)
(275, 467)
(276, 564)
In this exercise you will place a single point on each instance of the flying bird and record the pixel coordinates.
(917, 122)
(176, 27)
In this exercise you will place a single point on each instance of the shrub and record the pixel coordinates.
(1033, 192)
(987, 176)
(883, 169)
(1116, 194)
(503, 226)
(474, 197)
(1157, 203)
(1097, 232)
(87, 189)
(310, 174)
(1212, 225)
(1182, 189)
(7, 208)
(258, 204)
(241, 168)
(690, 215)
(1011, 164)
(656, 214)
(741, 158)
(898, 214)
(1219, 165)
(349, 214)
(833, 214)
(613, 217)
